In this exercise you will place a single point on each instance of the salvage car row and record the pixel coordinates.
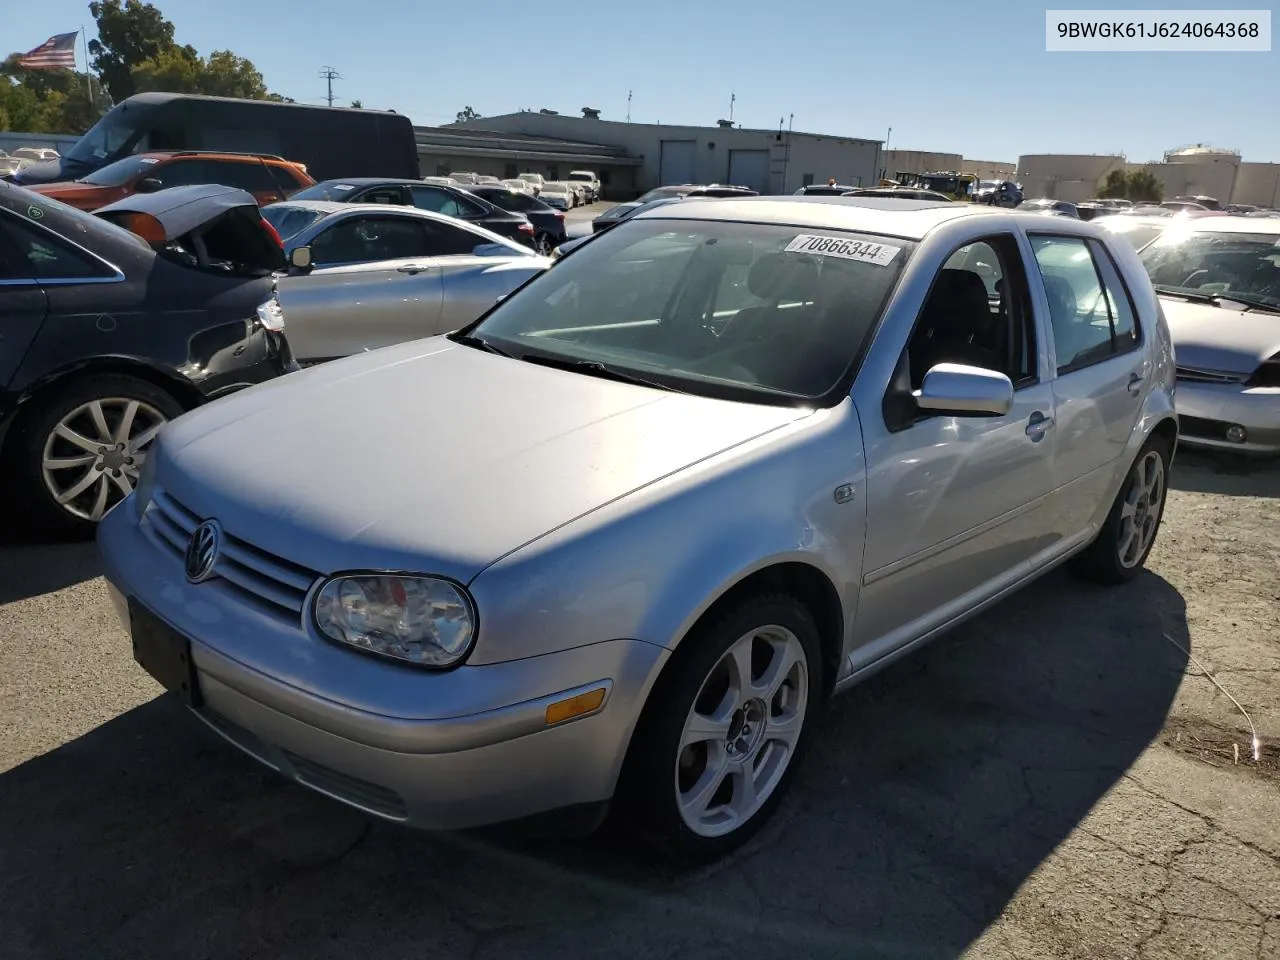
(610, 545)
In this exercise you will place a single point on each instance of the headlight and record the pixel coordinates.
(271, 316)
(419, 620)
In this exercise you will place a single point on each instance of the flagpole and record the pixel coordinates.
(88, 77)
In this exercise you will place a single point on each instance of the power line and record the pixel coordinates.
(330, 74)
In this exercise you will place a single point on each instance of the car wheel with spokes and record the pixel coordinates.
(1126, 538)
(725, 728)
(81, 452)
(544, 244)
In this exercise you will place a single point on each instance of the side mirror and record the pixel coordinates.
(964, 391)
(300, 257)
(148, 185)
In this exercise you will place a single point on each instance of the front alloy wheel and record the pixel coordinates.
(741, 733)
(94, 454)
(724, 729)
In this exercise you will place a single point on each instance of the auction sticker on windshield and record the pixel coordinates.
(880, 254)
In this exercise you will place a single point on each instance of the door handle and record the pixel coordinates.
(1134, 386)
(412, 268)
(1037, 424)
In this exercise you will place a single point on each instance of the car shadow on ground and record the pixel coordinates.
(1227, 474)
(933, 792)
(29, 567)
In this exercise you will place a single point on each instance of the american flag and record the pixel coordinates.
(56, 53)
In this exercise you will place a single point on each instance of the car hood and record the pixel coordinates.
(1206, 337)
(68, 191)
(434, 457)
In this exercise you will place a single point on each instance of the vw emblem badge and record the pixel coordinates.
(202, 551)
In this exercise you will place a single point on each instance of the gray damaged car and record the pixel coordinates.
(614, 546)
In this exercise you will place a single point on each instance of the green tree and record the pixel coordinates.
(466, 113)
(173, 70)
(357, 104)
(226, 75)
(1145, 186)
(129, 33)
(1115, 186)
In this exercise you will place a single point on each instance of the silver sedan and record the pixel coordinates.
(616, 544)
(365, 276)
(1219, 283)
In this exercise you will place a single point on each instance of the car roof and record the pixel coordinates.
(337, 206)
(373, 181)
(910, 219)
(210, 155)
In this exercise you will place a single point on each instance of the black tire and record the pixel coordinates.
(646, 799)
(1101, 562)
(544, 244)
(26, 450)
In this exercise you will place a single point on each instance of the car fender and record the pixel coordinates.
(631, 569)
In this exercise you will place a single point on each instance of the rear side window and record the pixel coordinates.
(444, 240)
(28, 251)
(183, 172)
(1089, 307)
(437, 201)
(390, 194)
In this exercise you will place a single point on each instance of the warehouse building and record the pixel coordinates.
(634, 157)
(1196, 170)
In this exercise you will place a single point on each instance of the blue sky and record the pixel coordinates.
(970, 77)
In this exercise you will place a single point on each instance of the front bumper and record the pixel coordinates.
(1207, 410)
(463, 748)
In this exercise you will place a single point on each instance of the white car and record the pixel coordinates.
(589, 180)
(10, 165)
(36, 154)
(579, 192)
(442, 181)
(517, 184)
(556, 193)
(535, 181)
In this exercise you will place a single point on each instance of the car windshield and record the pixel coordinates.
(288, 220)
(107, 136)
(1205, 263)
(1137, 234)
(119, 173)
(771, 313)
(334, 190)
(580, 176)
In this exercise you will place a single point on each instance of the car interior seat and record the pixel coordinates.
(955, 326)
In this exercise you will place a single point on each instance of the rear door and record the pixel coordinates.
(22, 301)
(373, 283)
(1099, 373)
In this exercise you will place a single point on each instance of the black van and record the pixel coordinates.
(330, 141)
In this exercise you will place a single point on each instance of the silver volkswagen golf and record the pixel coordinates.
(615, 544)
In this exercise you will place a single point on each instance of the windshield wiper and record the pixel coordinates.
(1217, 298)
(478, 343)
(597, 369)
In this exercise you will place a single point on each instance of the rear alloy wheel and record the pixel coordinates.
(84, 448)
(544, 244)
(724, 729)
(1129, 533)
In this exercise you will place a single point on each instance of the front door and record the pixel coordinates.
(373, 283)
(956, 505)
(1099, 371)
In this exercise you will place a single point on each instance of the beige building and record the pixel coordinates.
(928, 161)
(990, 169)
(639, 156)
(1187, 171)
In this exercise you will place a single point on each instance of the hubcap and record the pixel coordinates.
(93, 456)
(742, 731)
(1140, 511)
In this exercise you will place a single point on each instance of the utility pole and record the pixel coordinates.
(330, 74)
(732, 98)
(628, 106)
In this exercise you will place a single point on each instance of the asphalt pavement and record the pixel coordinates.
(1054, 780)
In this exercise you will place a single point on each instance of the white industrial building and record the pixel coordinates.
(634, 157)
(1197, 170)
(928, 161)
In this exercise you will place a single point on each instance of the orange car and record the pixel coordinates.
(267, 177)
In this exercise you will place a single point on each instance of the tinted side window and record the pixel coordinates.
(31, 252)
(438, 201)
(1088, 325)
(444, 240)
(250, 175)
(391, 194)
(366, 239)
(183, 173)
